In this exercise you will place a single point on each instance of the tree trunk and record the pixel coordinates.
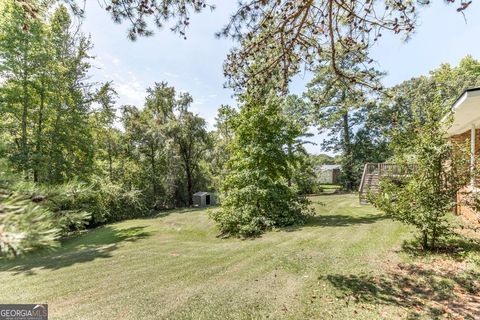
(38, 148)
(53, 144)
(24, 146)
(189, 182)
(425, 240)
(110, 169)
(154, 171)
(347, 152)
(290, 151)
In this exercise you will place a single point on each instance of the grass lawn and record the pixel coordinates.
(347, 263)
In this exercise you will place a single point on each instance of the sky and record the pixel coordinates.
(195, 65)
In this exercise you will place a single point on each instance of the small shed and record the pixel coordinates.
(203, 199)
(329, 173)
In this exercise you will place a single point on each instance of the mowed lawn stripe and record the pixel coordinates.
(174, 266)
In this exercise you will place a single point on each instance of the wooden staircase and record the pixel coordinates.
(369, 183)
(373, 172)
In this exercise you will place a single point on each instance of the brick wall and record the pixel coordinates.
(463, 144)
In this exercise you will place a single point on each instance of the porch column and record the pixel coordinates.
(472, 154)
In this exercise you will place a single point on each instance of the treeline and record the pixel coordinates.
(68, 157)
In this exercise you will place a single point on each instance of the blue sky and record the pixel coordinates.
(195, 65)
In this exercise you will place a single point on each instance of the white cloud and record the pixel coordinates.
(116, 61)
(171, 75)
(130, 92)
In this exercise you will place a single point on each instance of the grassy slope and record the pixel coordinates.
(174, 267)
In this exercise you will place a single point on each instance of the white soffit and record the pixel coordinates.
(466, 111)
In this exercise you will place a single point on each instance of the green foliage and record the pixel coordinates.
(45, 96)
(165, 144)
(398, 113)
(24, 226)
(424, 197)
(76, 205)
(255, 193)
(342, 110)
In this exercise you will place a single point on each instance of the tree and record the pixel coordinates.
(191, 140)
(45, 96)
(396, 112)
(255, 193)
(338, 107)
(21, 53)
(69, 138)
(296, 113)
(423, 198)
(107, 137)
(167, 142)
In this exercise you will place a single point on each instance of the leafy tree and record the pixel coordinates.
(106, 136)
(45, 99)
(255, 193)
(423, 198)
(167, 142)
(219, 154)
(69, 138)
(296, 113)
(191, 140)
(398, 110)
(21, 53)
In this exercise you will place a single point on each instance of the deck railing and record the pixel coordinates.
(389, 169)
(374, 171)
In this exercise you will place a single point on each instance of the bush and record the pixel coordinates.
(252, 209)
(117, 203)
(77, 205)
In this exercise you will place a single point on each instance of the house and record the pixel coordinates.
(203, 199)
(329, 173)
(464, 130)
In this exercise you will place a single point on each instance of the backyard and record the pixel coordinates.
(349, 261)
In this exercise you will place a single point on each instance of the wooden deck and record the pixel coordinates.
(373, 172)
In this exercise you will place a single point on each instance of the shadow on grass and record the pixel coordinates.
(420, 289)
(445, 285)
(167, 212)
(95, 244)
(336, 220)
(339, 220)
(457, 246)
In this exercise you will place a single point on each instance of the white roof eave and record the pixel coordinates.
(466, 112)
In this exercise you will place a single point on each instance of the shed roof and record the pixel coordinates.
(200, 193)
(330, 166)
(466, 111)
